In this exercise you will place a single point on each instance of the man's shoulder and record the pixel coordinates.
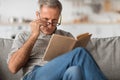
(23, 35)
(64, 33)
(60, 31)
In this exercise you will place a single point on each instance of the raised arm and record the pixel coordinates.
(21, 56)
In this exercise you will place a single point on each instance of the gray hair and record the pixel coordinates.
(51, 3)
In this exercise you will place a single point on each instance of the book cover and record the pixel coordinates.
(59, 45)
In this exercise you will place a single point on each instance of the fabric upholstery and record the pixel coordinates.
(106, 52)
(5, 74)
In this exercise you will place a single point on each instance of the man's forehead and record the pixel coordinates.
(49, 8)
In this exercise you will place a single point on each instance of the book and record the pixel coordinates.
(59, 45)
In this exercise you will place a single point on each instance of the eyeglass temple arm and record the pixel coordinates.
(60, 19)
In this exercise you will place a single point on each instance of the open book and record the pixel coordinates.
(59, 45)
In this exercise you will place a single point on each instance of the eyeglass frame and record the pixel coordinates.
(57, 24)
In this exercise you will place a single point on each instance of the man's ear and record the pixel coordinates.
(37, 14)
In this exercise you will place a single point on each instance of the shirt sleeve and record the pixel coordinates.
(64, 33)
(70, 35)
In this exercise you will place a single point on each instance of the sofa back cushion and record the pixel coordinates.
(106, 52)
(5, 45)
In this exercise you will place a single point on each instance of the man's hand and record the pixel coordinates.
(35, 26)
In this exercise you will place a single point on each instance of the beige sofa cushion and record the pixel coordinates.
(106, 52)
(5, 45)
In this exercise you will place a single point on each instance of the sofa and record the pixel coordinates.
(105, 51)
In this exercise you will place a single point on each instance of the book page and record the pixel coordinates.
(83, 39)
(58, 45)
(82, 35)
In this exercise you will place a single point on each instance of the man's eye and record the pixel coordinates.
(45, 19)
(54, 22)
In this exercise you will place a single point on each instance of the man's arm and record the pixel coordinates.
(21, 56)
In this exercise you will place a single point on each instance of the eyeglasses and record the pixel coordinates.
(46, 23)
(52, 23)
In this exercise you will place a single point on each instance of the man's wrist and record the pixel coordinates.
(34, 35)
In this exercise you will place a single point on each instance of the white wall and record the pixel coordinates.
(98, 30)
(27, 8)
(18, 8)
